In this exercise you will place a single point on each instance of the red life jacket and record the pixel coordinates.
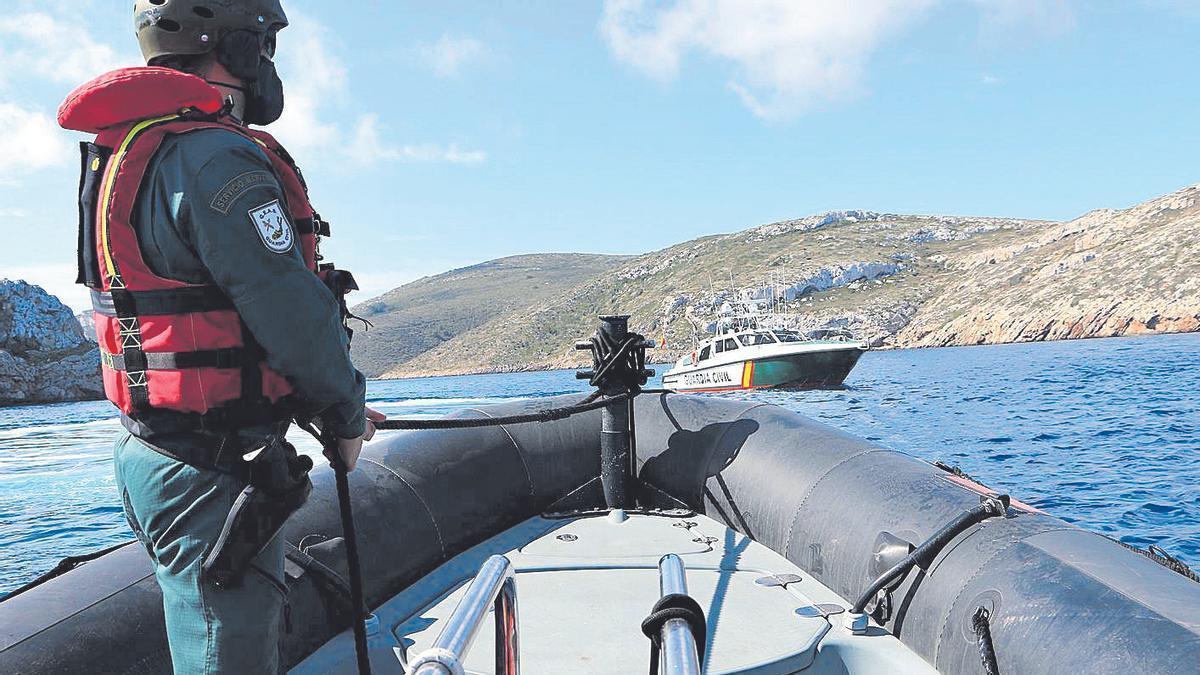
(167, 344)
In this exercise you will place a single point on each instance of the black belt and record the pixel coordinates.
(231, 357)
(218, 452)
(164, 302)
(218, 422)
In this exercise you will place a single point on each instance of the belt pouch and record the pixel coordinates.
(279, 485)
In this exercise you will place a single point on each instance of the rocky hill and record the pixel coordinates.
(421, 315)
(1106, 273)
(897, 280)
(44, 356)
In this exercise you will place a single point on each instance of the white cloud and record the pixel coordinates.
(315, 88)
(31, 140)
(35, 43)
(313, 80)
(367, 147)
(448, 55)
(989, 79)
(789, 55)
(36, 47)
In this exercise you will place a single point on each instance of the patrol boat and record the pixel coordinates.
(740, 537)
(762, 359)
(752, 350)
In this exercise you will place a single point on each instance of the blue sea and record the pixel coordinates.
(1104, 433)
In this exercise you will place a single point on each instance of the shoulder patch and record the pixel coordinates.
(223, 201)
(273, 226)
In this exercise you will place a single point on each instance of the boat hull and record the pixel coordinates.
(1061, 599)
(804, 370)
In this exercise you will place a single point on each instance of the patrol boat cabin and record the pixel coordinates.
(759, 358)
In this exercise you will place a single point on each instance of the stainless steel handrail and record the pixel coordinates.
(495, 585)
(679, 655)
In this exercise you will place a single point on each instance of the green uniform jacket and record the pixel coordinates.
(288, 309)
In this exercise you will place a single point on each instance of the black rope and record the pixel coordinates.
(619, 362)
(350, 539)
(952, 469)
(675, 606)
(983, 634)
(65, 565)
(925, 553)
(592, 402)
(633, 467)
(352, 562)
(1163, 558)
(618, 357)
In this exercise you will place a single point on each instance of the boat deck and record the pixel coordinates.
(584, 585)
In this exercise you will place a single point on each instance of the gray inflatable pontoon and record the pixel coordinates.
(777, 523)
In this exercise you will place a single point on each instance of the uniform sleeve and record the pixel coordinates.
(232, 211)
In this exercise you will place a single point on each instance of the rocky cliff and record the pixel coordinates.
(44, 356)
(1107, 273)
(893, 279)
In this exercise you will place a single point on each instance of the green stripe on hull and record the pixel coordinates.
(810, 369)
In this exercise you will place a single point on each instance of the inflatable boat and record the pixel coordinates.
(774, 525)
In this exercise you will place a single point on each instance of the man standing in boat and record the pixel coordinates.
(217, 324)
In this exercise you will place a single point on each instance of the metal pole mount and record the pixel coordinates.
(618, 367)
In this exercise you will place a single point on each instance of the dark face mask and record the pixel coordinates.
(264, 99)
(241, 54)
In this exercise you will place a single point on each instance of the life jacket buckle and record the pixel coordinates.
(130, 332)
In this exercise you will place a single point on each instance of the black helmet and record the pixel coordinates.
(186, 27)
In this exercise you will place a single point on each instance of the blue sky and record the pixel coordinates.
(436, 135)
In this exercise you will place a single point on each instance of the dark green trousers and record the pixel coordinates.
(177, 512)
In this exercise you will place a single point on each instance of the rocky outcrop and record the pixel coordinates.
(44, 356)
(1105, 274)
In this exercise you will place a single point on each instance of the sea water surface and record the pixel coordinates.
(1104, 433)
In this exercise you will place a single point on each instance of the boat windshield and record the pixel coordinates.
(754, 339)
(788, 336)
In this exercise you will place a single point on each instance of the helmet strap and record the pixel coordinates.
(227, 85)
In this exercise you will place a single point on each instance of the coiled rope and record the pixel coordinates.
(674, 606)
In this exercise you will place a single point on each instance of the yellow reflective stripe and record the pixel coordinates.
(106, 188)
(747, 374)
